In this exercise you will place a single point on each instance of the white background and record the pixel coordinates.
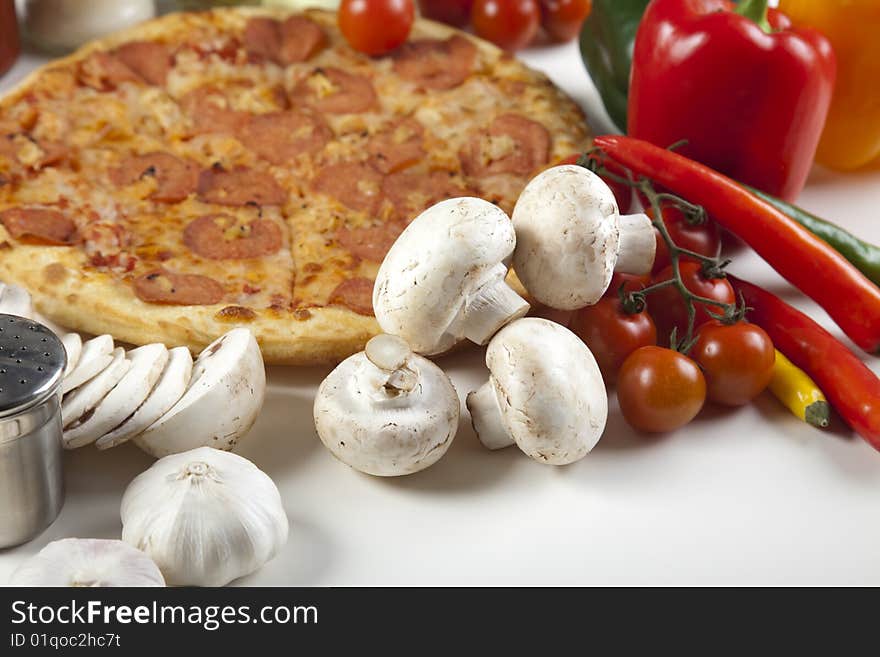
(746, 496)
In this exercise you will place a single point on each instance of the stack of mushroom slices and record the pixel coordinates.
(389, 411)
(154, 395)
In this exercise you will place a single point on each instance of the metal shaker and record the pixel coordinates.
(32, 361)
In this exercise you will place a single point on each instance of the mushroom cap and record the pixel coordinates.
(437, 262)
(549, 389)
(568, 237)
(382, 431)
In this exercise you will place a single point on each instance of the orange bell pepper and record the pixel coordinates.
(851, 138)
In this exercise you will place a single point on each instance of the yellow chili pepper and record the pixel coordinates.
(852, 132)
(797, 391)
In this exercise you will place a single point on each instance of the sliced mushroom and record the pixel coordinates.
(166, 393)
(444, 278)
(95, 357)
(545, 393)
(73, 346)
(15, 300)
(220, 405)
(387, 411)
(86, 398)
(125, 398)
(571, 238)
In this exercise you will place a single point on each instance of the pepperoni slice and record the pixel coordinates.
(283, 42)
(240, 186)
(209, 110)
(372, 242)
(39, 226)
(280, 137)
(354, 184)
(411, 192)
(148, 59)
(334, 91)
(434, 63)
(222, 237)
(512, 144)
(355, 294)
(176, 178)
(397, 146)
(103, 72)
(163, 286)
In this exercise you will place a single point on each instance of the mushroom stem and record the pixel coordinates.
(638, 245)
(391, 354)
(486, 418)
(493, 305)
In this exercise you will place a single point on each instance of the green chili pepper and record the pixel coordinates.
(607, 39)
(864, 256)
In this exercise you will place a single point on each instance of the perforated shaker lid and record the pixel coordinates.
(32, 361)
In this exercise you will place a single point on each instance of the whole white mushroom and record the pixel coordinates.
(443, 279)
(570, 238)
(387, 411)
(545, 393)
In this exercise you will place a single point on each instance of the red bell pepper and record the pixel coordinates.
(748, 93)
(852, 389)
(808, 263)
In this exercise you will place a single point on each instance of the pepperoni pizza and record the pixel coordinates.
(247, 167)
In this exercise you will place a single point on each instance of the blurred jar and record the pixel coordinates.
(165, 6)
(59, 26)
(9, 44)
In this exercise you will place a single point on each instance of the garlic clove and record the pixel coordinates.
(166, 393)
(88, 562)
(206, 517)
(125, 398)
(222, 402)
(95, 357)
(73, 346)
(85, 398)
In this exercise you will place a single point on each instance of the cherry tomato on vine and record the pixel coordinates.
(737, 360)
(509, 24)
(630, 282)
(612, 334)
(704, 239)
(451, 12)
(375, 27)
(623, 193)
(562, 19)
(668, 307)
(660, 389)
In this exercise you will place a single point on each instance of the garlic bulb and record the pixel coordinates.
(205, 516)
(88, 562)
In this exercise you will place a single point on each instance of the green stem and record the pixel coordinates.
(755, 11)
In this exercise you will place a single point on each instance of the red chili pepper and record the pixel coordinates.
(806, 261)
(748, 92)
(852, 388)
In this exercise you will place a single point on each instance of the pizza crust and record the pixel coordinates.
(96, 302)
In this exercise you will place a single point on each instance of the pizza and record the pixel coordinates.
(246, 167)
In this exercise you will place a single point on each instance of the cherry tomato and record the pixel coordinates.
(737, 359)
(704, 239)
(660, 389)
(612, 334)
(375, 27)
(622, 193)
(668, 307)
(630, 282)
(509, 24)
(562, 19)
(451, 12)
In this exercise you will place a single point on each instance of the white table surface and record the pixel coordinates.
(746, 496)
